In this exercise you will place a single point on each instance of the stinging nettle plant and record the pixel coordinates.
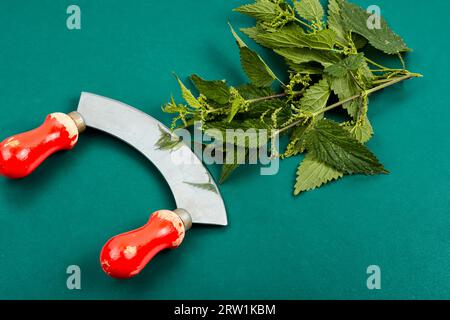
(326, 62)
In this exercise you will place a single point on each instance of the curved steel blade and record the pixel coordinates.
(192, 185)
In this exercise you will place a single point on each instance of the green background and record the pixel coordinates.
(317, 245)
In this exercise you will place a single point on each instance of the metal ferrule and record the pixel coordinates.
(185, 217)
(79, 121)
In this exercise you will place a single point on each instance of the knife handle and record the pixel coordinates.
(21, 154)
(126, 254)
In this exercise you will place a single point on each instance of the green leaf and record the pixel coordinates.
(238, 39)
(204, 186)
(316, 97)
(366, 75)
(241, 137)
(329, 143)
(217, 90)
(256, 69)
(361, 130)
(262, 10)
(254, 66)
(335, 21)
(229, 168)
(250, 91)
(293, 37)
(310, 10)
(297, 142)
(305, 68)
(383, 39)
(188, 96)
(252, 32)
(168, 141)
(303, 55)
(237, 103)
(345, 87)
(312, 174)
(359, 41)
(351, 63)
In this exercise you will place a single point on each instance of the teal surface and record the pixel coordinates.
(276, 246)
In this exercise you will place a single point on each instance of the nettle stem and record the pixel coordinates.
(394, 81)
(384, 84)
(280, 95)
(275, 96)
(340, 103)
(271, 97)
(375, 63)
(304, 24)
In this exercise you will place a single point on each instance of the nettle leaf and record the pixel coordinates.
(312, 174)
(252, 32)
(256, 69)
(238, 39)
(237, 103)
(331, 144)
(208, 186)
(345, 87)
(303, 55)
(229, 167)
(250, 91)
(305, 68)
(359, 41)
(263, 10)
(227, 170)
(351, 63)
(335, 21)
(188, 96)
(239, 134)
(383, 39)
(316, 97)
(366, 75)
(216, 90)
(168, 141)
(310, 10)
(297, 142)
(293, 36)
(254, 66)
(361, 130)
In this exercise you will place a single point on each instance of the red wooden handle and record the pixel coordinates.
(21, 154)
(125, 255)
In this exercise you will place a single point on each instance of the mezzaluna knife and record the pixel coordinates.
(125, 255)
